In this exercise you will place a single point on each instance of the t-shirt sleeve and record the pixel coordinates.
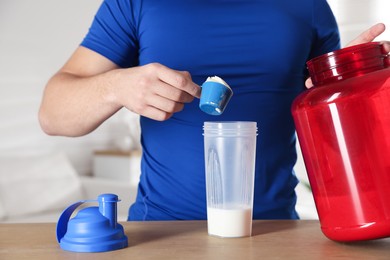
(327, 37)
(113, 33)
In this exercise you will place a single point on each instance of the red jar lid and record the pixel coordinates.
(347, 62)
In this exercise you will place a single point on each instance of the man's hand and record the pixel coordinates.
(366, 36)
(155, 91)
(370, 35)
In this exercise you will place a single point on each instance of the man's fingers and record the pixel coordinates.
(169, 92)
(369, 35)
(155, 114)
(308, 83)
(178, 79)
(386, 46)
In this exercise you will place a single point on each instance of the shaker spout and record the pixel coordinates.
(108, 207)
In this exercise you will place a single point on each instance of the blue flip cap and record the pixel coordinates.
(93, 229)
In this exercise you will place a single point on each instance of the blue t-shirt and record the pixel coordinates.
(259, 48)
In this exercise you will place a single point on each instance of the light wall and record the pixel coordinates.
(36, 38)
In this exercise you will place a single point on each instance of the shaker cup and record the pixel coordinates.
(230, 151)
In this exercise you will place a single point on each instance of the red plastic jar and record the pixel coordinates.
(343, 125)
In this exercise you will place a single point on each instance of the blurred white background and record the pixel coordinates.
(37, 37)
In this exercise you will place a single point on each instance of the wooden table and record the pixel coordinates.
(275, 239)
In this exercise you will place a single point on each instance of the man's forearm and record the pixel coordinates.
(75, 106)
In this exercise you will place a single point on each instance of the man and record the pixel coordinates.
(151, 56)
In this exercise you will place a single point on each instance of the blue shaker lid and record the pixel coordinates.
(93, 229)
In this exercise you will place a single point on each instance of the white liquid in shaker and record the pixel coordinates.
(229, 222)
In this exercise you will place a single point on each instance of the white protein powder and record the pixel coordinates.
(218, 80)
